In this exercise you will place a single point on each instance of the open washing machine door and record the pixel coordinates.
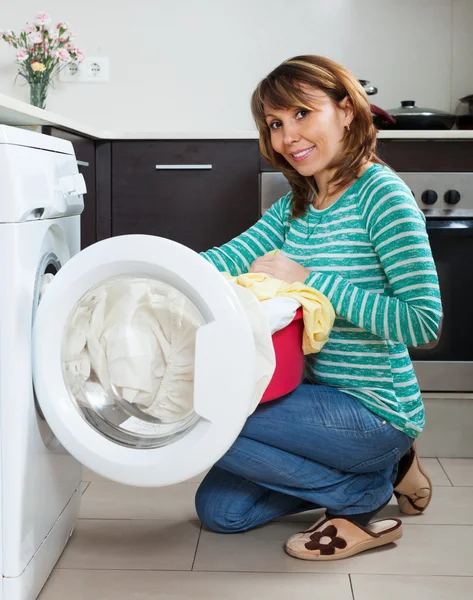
(94, 421)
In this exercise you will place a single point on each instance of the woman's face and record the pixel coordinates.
(310, 141)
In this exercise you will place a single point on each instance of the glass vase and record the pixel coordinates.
(38, 93)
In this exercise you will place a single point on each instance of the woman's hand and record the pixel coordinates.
(280, 267)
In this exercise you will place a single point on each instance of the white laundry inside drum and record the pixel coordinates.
(128, 360)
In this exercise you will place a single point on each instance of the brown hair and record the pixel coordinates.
(282, 89)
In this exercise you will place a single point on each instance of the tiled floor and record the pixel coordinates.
(147, 544)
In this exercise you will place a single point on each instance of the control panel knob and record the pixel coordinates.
(452, 197)
(429, 197)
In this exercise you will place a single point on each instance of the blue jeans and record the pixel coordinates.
(316, 447)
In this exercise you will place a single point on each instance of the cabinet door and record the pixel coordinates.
(199, 193)
(85, 154)
(427, 155)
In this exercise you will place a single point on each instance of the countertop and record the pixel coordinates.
(18, 113)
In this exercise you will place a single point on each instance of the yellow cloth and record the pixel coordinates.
(317, 310)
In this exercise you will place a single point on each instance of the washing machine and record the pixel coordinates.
(49, 427)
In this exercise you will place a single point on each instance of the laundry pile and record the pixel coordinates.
(317, 310)
(136, 339)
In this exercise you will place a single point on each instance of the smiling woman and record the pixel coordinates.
(350, 228)
(314, 118)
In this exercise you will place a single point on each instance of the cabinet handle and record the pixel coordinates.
(83, 163)
(183, 167)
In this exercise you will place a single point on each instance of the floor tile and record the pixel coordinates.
(137, 544)
(114, 501)
(449, 506)
(459, 470)
(424, 550)
(89, 475)
(435, 472)
(304, 517)
(149, 585)
(396, 587)
(197, 478)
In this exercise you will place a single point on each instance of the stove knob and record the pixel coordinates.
(429, 197)
(452, 197)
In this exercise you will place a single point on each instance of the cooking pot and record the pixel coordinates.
(464, 113)
(410, 116)
(371, 90)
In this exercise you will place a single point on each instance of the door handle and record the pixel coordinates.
(183, 167)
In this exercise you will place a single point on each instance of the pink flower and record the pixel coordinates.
(35, 38)
(55, 54)
(30, 29)
(64, 55)
(64, 25)
(42, 19)
(63, 38)
(79, 55)
(21, 55)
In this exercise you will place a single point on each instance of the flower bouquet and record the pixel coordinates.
(42, 51)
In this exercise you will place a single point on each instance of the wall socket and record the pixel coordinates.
(93, 69)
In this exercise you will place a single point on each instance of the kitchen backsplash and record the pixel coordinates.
(192, 65)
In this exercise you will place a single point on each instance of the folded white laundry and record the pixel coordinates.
(279, 312)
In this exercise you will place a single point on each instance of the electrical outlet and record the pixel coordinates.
(93, 69)
(70, 72)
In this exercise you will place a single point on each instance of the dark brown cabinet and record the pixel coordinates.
(199, 193)
(427, 155)
(84, 149)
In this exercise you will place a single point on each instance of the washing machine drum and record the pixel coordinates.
(144, 360)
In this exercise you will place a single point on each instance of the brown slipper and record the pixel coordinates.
(336, 538)
(413, 489)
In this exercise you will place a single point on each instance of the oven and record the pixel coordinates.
(446, 199)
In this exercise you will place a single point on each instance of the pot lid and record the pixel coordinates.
(408, 107)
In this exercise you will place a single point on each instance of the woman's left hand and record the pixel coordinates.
(280, 267)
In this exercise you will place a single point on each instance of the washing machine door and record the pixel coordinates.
(93, 412)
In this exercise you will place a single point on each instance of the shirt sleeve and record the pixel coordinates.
(269, 233)
(410, 310)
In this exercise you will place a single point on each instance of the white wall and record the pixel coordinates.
(187, 65)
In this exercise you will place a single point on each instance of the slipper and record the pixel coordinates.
(413, 488)
(338, 537)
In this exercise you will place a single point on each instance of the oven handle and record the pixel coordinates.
(450, 227)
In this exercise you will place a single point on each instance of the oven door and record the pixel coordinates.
(448, 366)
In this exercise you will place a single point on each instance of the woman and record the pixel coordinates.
(351, 229)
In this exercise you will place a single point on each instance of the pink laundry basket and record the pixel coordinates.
(287, 344)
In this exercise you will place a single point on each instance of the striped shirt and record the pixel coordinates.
(370, 255)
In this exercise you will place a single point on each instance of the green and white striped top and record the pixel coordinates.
(370, 255)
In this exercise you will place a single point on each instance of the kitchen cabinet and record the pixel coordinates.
(84, 149)
(200, 193)
(419, 155)
(427, 155)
